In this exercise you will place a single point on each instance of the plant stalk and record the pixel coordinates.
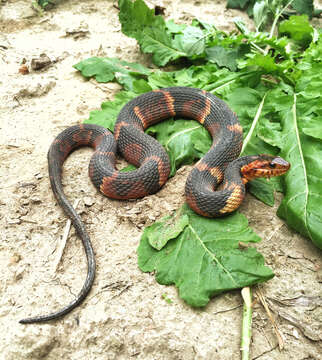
(277, 16)
(246, 323)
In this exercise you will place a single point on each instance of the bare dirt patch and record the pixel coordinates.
(126, 315)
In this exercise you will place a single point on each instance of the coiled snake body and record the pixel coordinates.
(220, 165)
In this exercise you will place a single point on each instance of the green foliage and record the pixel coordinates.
(245, 90)
(265, 10)
(302, 146)
(204, 259)
(170, 227)
(273, 83)
(43, 3)
(110, 69)
(139, 22)
(297, 28)
(184, 140)
(304, 7)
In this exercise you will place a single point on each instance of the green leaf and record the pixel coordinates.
(301, 206)
(314, 128)
(161, 79)
(157, 41)
(238, 4)
(262, 62)
(263, 191)
(135, 17)
(170, 227)
(174, 28)
(223, 57)
(205, 260)
(139, 22)
(297, 28)
(260, 11)
(184, 140)
(303, 7)
(191, 41)
(110, 69)
(249, 105)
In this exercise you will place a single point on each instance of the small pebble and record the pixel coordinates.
(41, 62)
(15, 259)
(88, 201)
(35, 200)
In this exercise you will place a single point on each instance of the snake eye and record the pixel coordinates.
(272, 165)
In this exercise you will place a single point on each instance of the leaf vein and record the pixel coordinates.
(212, 255)
(306, 190)
(178, 134)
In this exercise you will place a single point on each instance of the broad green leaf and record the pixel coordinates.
(170, 227)
(249, 105)
(301, 206)
(162, 79)
(109, 69)
(260, 11)
(139, 22)
(174, 28)
(223, 57)
(205, 260)
(135, 17)
(184, 140)
(191, 41)
(238, 4)
(314, 128)
(264, 63)
(262, 190)
(303, 7)
(272, 8)
(297, 28)
(157, 42)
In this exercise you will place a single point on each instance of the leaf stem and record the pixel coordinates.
(255, 121)
(246, 293)
(277, 16)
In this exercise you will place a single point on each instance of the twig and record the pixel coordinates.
(271, 318)
(265, 352)
(226, 310)
(274, 232)
(28, 220)
(62, 244)
(277, 16)
(246, 293)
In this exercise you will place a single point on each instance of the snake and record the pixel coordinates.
(215, 187)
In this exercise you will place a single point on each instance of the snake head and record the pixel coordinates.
(264, 166)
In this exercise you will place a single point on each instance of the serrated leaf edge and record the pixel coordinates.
(161, 44)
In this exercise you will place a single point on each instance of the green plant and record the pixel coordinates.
(272, 81)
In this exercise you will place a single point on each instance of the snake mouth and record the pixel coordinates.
(267, 173)
(265, 166)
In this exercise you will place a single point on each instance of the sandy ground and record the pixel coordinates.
(125, 316)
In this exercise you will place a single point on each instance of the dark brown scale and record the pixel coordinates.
(153, 162)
